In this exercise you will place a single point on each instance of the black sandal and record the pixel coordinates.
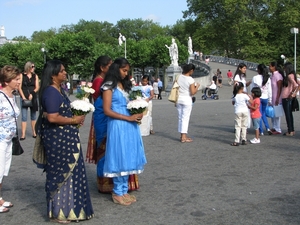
(244, 142)
(234, 144)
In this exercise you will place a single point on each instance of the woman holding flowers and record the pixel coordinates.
(100, 69)
(124, 146)
(67, 191)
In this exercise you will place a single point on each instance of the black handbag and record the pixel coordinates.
(295, 104)
(26, 103)
(16, 146)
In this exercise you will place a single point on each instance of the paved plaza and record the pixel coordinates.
(204, 182)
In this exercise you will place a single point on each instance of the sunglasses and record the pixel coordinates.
(32, 66)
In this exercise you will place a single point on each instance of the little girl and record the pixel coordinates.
(239, 101)
(148, 94)
(255, 112)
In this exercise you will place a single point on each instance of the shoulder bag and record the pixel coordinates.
(295, 104)
(26, 102)
(173, 97)
(16, 146)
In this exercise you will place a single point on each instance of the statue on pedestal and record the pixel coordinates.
(190, 46)
(173, 51)
(2, 31)
(120, 39)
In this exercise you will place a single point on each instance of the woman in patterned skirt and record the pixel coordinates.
(67, 190)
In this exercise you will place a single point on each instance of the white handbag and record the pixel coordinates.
(278, 110)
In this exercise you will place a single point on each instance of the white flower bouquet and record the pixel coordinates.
(85, 90)
(135, 93)
(82, 105)
(81, 108)
(137, 106)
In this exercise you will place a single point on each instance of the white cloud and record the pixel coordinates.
(152, 17)
(21, 2)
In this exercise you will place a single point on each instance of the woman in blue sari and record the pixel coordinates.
(68, 197)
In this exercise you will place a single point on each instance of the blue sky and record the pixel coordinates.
(23, 17)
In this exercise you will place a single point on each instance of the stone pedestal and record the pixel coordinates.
(191, 57)
(171, 73)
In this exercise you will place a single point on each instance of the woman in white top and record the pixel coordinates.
(187, 88)
(240, 76)
(9, 111)
(262, 80)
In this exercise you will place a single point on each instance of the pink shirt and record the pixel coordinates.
(255, 113)
(292, 84)
(276, 76)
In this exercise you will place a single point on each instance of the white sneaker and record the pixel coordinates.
(255, 141)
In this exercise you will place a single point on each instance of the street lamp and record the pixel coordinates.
(295, 31)
(44, 51)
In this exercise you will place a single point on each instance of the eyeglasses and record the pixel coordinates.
(32, 66)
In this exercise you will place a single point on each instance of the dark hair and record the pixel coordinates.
(113, 74)
(51, 68)
(102, 61)
(187, 68)
(256, 91)
(289, 69)
(238, 70)
(145, 77)
(277, 68)
(8, 73)
(263, 70)
(238, 86)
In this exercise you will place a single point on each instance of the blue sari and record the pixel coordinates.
(67, 189)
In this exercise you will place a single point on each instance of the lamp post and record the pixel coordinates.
(44, 52)
(295, 31)
(124, 39)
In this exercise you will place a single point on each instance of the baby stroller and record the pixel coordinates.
(210, 93)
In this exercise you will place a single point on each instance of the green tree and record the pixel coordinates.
(75, 50)
(18, 54)
(20, 38)
(42, 36)
(102, 31)
(139, 29)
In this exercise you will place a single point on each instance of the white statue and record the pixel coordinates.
(173, 51)
(2, 32)
(121, 39)
(190, 46)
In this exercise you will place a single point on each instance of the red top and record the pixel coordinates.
(97, 82)
(255, 113)
(229, 74)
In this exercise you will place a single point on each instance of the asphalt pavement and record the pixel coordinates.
(203, 182)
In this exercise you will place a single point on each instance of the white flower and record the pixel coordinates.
(88, 90)
(82, 106)
(136, 104)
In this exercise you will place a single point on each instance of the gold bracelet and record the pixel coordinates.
(73, 121)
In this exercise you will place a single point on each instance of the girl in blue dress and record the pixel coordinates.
(124, 147)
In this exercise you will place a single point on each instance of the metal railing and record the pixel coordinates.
(231, 61)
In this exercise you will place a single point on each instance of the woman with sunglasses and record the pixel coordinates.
(28, 90)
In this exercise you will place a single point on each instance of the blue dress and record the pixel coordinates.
(124, 147)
